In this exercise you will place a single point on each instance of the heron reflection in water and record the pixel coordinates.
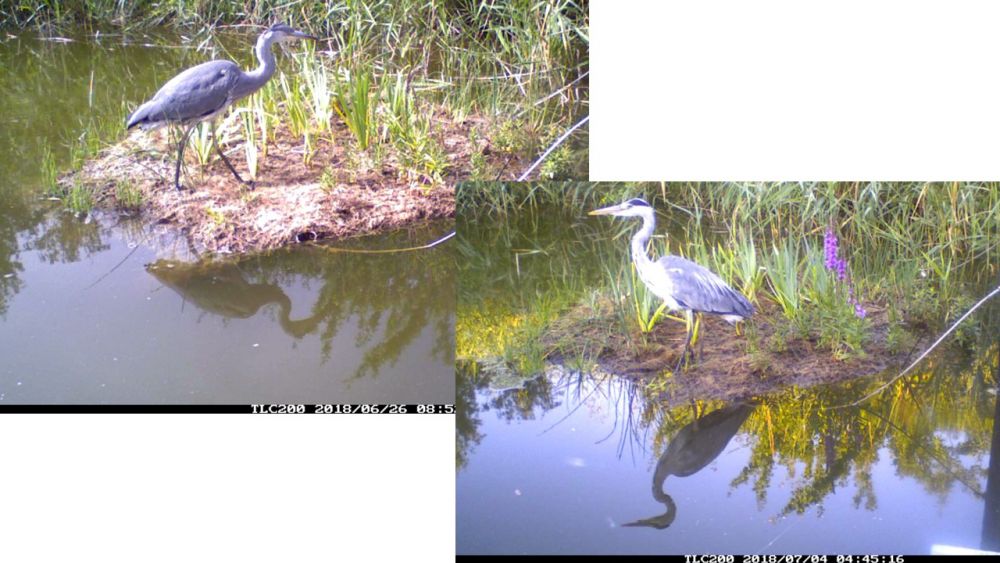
(223, 290)
(693, 447)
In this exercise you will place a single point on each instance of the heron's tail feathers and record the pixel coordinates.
(738, 307)
(743, 307)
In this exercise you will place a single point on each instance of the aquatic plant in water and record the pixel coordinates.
(839, 265)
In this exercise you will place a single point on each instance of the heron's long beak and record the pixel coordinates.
(606, 210)
(301, 35)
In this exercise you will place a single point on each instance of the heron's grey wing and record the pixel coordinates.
(699, 289)
(196, 93)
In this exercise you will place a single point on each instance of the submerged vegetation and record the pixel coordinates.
(850, 272)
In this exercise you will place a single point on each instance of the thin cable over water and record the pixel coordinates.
(388, 250)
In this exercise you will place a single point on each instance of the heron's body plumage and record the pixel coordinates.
(197, 94)
(699, 289)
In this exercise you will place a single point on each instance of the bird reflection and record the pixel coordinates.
(221, 289)
(692, 448)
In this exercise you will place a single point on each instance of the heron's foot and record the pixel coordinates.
(250, 184)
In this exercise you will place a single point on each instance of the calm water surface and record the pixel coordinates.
(579, 464)
(585, 462)
(98, 309)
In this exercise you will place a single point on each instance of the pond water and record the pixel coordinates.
(579, 461)
(97, 310)
(574, 463)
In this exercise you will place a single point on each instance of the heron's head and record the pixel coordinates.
(634, 207)
(280, 32)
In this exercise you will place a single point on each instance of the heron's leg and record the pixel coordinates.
(689, 316)
(180, 157)
(229, 164)
(697, 335)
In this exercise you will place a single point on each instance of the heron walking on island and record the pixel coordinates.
(202, 92)
(679, 282)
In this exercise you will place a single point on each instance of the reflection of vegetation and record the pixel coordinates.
(822, 446)
(916, 253)
(392, 298)
(519, 403)
(15, 217)
(66, 238)
(934, 427)
(467, 420)
(56, 237)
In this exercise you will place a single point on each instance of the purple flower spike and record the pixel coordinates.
(835, 264)
(830, 248)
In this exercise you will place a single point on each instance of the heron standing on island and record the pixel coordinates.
(679, 282)
(203, 92)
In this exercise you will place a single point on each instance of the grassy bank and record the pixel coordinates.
(907, 258)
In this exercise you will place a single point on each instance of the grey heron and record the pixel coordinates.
(682, 284)
(202, 92)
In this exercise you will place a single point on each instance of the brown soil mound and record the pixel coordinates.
(339, 193)
(723, 367)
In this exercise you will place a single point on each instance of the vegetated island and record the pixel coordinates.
(767, 356)
(336, 192)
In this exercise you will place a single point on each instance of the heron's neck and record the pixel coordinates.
(662, 497)
(298, 328)
(265, 58)
(641, 238)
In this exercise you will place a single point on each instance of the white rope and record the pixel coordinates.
(558, 142)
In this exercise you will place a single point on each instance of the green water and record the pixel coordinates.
(563, 459)
(96, 309)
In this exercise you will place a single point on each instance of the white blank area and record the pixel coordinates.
(793, 90)
(227, 487)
